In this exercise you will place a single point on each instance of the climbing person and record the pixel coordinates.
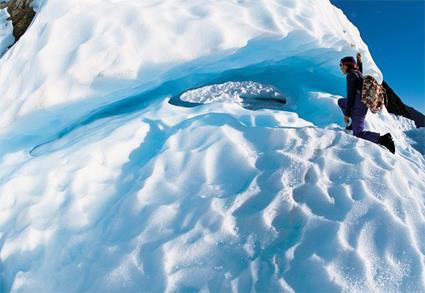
(352, 106)
(359, 65)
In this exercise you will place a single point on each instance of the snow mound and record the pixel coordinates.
(231, 92)
(250, 95)
(106, 186)
(214, 197)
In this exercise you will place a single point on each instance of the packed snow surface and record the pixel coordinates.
(106, 186)
(248, 94)
(232, 91)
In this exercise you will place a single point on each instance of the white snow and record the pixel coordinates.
(106, 186)
(231, 92)
(6, 31)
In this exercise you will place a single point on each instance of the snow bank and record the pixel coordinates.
(214, 197)
(106, 186)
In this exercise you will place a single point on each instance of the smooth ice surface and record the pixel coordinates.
(107, 187)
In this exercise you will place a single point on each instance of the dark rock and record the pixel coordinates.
(21, 13)
(397, 107)
(416, 116)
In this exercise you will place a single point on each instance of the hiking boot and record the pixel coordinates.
(349, 127)
(387, 141)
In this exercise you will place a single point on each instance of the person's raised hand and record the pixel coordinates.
(359, 57)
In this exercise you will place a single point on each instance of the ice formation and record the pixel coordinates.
(106, 186)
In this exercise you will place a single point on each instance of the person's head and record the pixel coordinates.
(347, 64)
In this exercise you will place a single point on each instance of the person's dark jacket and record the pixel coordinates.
(354, 87)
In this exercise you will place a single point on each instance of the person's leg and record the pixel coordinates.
(358, 129)
(342, 103)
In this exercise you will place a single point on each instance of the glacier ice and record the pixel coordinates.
(106, 186)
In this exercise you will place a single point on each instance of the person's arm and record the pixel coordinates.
(359, 62)
(351, 93)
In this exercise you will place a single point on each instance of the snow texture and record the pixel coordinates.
(248, 94)
(6, 31)
(106, 186)
(231, 92)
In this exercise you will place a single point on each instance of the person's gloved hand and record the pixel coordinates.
(359, 57)
(346, 119)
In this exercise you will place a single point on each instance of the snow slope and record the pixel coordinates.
(106, 186)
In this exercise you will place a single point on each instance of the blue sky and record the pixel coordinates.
(394, 32)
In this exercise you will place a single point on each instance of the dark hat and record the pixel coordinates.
(348, 59)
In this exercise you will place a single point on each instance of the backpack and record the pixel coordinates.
(374, 95)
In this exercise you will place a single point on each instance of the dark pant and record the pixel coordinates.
(358, 116)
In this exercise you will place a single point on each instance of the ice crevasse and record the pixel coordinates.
(106, 186)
